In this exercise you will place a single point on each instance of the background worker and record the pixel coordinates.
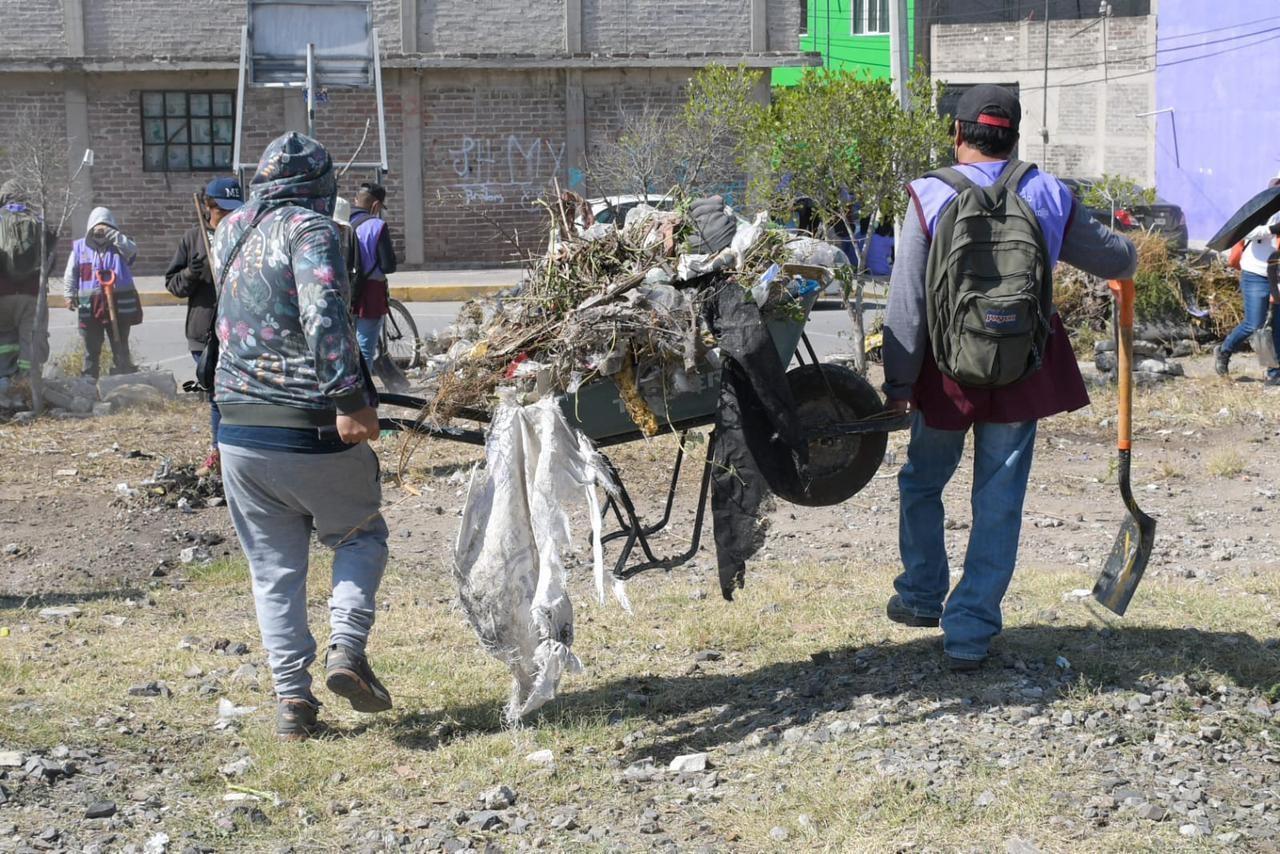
(103, 255)
(190, 277)
(20, 266)
(1003, 418)
(377, 260)
(1256, 257)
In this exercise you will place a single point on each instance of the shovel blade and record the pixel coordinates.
(1126, 563)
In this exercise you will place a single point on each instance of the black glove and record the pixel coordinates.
(198, 269)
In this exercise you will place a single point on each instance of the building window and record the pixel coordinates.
(804, 17)
(187, 131)
(870, 17)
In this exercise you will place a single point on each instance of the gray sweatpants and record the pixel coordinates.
(276, 499)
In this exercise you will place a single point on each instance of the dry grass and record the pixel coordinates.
(444, 743)
(1225, 463)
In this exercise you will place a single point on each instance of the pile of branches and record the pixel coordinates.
(601, 301)
(1179, 296)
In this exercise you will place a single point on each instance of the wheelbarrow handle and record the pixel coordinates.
(1125, 296)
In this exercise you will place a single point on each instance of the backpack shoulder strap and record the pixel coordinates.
(1014, 171)
(953, 178)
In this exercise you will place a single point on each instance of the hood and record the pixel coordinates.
(296, 170)
(101, 216)
(12, 193)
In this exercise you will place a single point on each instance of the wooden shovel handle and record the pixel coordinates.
(1125, 298)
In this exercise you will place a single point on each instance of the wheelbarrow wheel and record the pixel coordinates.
(839, 466)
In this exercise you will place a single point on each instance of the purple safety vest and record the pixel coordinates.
(368, 233)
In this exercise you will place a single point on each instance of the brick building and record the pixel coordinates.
(487, 103)
(1101, 80)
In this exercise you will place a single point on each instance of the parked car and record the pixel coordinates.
(1163, 217)
(614, 209)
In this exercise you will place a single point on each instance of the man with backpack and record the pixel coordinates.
(972, 341)
(20, 265)
(375, 260)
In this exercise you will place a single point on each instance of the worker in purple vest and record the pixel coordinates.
(1003, 420)
(377, 261)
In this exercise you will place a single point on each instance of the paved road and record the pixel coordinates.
(159, 340)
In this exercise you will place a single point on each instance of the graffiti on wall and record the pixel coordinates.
(493, 170)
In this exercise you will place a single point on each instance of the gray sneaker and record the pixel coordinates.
(295, 719)
(348, 674)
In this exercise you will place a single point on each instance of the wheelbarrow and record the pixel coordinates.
(843, 418)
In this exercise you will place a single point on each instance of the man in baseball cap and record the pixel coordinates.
(223, 193)
(190, 277)
(1001, 413)
(990, 106)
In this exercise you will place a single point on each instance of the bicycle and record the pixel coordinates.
(399, 338)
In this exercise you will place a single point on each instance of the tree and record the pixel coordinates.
(693, 149)
(843, 141)
(35, 158)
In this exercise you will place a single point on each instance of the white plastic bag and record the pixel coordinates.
(512, 541)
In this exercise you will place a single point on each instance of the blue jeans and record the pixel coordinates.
(1001, 465)
(368, 330)
(1256, 291)
(215, 417)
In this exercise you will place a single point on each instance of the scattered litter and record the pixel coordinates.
(1062, 662)
(1077, 595)
(66, 473)
(61, 612)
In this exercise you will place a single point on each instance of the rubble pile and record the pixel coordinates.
(1151, 362)
(176, 488)
(84, 397)
(620, 303)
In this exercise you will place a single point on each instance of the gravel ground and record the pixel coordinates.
(137, 713)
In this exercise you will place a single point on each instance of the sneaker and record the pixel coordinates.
(212, 464)
(964, 665)
(349, 675)
(1272, 379)
(1221, 361)
(296, 719)
(900, 613)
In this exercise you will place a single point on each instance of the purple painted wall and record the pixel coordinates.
(1222, 142)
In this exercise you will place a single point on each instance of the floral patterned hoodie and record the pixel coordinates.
(288, 356)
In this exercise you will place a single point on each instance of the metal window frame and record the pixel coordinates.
(186, 117)
(860, 18)
(309, 82)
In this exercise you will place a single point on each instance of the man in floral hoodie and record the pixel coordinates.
(297, 410)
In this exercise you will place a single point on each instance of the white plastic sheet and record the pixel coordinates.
(509, 559)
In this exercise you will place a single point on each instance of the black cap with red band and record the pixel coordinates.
(988, 104)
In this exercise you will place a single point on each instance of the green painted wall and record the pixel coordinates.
(831, 34)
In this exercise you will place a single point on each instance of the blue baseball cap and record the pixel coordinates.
(225, 193)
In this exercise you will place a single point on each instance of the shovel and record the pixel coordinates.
(107, 281)
(1132, 549)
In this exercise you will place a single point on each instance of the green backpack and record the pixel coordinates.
(988, 284)
(19, 246)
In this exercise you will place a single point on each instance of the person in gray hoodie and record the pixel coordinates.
(99, 273)
(297, 408)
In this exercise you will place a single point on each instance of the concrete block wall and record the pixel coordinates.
(175, 29)
(491, 26)
(493, 143)
(1092, 107)
(340, 124)
(652, 26)
(40, 107)
(40, 25)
